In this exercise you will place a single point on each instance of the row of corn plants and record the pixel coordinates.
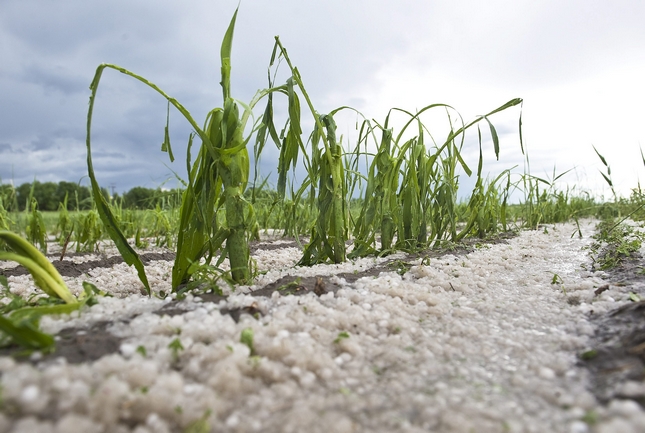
(408, 197)
(396, 188)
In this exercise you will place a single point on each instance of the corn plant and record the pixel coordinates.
(64, 226)
(5, 222)
(328, 236)
(89, 231)
(325, 180)
(411, 191)
(21, 327)
(36, 231)
(545, 204)
(217, 179)
(45, 275)
(19, 321)
(161, 228)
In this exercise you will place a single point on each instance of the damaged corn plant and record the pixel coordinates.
(217, 177)
(408, 196)
(19, 321)
(411, 193)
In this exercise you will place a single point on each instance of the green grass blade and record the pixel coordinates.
(493, 133)
(520, 129)
(602, 158)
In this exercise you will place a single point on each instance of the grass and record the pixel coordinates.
(615, 242)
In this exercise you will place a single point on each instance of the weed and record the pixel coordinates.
(175, 347)
(341, 336)
(614, 242)
(246, 338)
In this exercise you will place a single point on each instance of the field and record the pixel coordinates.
(489, 335)
(367, 296)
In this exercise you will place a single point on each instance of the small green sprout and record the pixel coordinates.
(589, 354)
(293, 286)
(246, 338)
(590, 417)
(175, 346)
(341, 336)
(200, 425)
(142, 351)
(400, 266)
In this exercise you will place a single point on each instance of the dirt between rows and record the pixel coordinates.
(86, 344)
(617, 353)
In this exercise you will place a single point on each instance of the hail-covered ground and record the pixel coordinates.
(487, 341)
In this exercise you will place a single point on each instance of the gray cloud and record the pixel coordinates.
(368, 54)
(43, 143)
(55, 79)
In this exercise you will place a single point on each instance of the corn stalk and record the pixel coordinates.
(218, 178)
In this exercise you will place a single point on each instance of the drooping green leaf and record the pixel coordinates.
(493, 133)
(44, 273)
(225, 57)
(27, 335)
(165, 146)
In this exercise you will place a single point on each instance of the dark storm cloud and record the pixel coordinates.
(55, 79)
(43, 143)
(57, 28)
(368, 54)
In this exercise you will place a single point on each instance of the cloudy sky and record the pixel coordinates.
(579, 65)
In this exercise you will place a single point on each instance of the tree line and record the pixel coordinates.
(50, 196)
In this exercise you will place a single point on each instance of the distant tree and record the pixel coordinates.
(22, 195)
(49, 195)
(139, 198)
(45, 195)
(71, 190)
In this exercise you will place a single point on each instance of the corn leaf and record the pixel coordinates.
(165, 146)
(26, 334)
(44, 273)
